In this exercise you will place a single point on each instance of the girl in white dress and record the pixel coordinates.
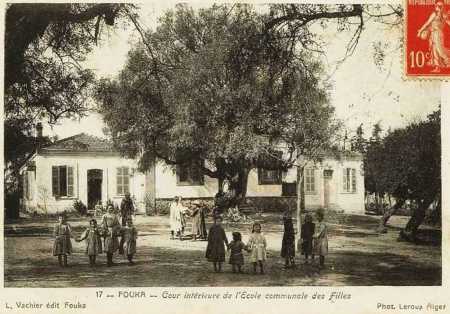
(257, 245)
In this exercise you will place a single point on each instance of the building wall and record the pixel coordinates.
(166, 185)
(340, 199)
(44, 199)
(161, 183)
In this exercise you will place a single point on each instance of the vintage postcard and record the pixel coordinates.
(225, 157)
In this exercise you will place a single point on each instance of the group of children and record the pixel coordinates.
(215, 250)
(314, 241)
(93, 236)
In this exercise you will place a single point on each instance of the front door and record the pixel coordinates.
(327, 176)
(94, 185)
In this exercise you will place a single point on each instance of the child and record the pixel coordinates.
(93, 241)
(62, 245)
(321, 239)
(257, 245)
(215, 250)
(288, 243)
(130, 236)
(111, 230)
(308, 228)
(236, 257)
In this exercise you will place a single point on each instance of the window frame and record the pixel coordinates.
(188, 168)
(26, 186)
(313, 183)
(289, 189)
(69, 181)
(263, 178)
(349, 181)
(122, 188)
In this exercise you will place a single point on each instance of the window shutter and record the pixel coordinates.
(55, 181)
(126, 182)
(119, 181)
(345, 180)
(25, 185)
(69, 181)
(353, 180)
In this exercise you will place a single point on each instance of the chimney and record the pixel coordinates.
(39, 130)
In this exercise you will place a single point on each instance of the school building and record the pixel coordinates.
(87, 168)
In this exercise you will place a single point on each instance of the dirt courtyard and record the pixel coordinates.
(358, 256)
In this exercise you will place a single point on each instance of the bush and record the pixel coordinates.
(80, 208)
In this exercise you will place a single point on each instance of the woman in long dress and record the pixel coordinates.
(434, 30)
(198, 213)
(177, 220)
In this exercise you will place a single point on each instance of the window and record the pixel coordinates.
(289, 189)
(62, 181)
(123, 180)
(26, 186)
(190, 173)
(272, 176)
(310, 181)
(349, 180)
(269, 176)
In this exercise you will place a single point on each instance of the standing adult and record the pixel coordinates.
(175, 218)
(126, 209)
(111, 227)
(126, 212)
(198, 221)
(182, 211)
(203, 234)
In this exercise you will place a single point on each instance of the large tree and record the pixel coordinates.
(45, 45)
(218, 85)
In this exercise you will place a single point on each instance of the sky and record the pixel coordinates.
(361, 93)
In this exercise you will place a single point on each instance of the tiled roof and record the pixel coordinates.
(81, 143)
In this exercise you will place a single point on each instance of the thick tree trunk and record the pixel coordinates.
(387, 214)
(409, 233)
(238, 186)
(220, 182)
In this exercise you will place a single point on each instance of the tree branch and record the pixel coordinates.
(305, 18)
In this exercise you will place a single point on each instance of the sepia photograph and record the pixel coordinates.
(206, 144)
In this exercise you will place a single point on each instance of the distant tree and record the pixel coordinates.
(409, 168)
(358, 142)
(373, 162)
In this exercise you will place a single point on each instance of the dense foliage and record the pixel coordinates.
(216, 85)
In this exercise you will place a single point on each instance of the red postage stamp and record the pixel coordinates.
(427, 38)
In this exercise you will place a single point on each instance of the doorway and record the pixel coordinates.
(94, 182)
(327, 177)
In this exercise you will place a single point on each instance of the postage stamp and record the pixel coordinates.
(427, 39)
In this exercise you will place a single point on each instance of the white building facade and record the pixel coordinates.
(87, 168)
